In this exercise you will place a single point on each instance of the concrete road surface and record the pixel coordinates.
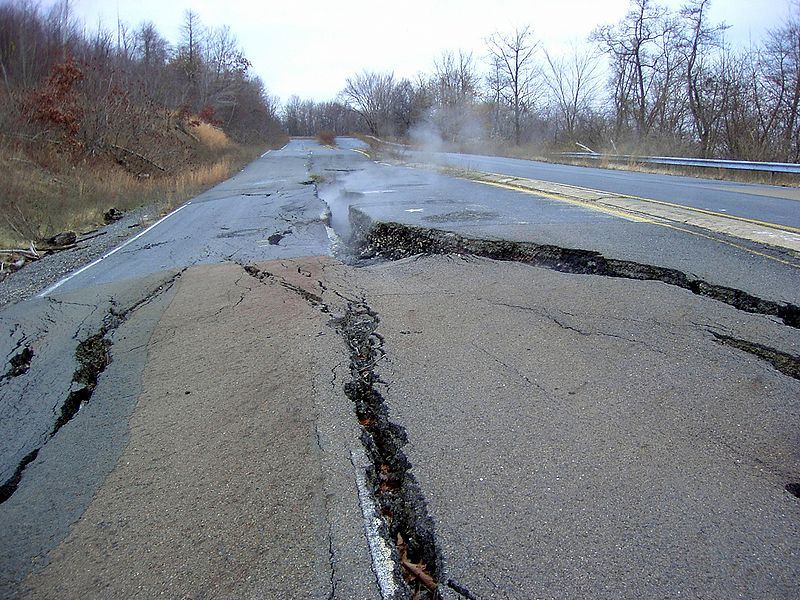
(252, 400)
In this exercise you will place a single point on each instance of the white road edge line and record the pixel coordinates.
(55, 286)
(382, 563)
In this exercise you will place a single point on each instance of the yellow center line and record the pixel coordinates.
(735, 245)
(581, 203)
(704, 211)
(712, 213)
(630, 217)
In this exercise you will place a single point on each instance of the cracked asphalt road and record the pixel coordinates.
(570, 435)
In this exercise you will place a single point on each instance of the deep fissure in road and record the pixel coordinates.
(93, 355)
(408, 528)
(309, 297)
(395, 241)
(396, 490)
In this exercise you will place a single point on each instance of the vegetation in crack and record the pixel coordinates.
(409, 530)
(395, 241)
(784, 362)
(408, 527)
(92, 355)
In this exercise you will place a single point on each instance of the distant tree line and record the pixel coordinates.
(672, 84)
(122, 88)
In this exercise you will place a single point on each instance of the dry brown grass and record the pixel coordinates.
(37, 203)
(211, 137)
(327, 138)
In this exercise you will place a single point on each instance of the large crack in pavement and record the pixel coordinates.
(406, 527)
(93, 355)
(19, 363)
(394, 241)
(786, 363)
(417, 561)
(401, 501)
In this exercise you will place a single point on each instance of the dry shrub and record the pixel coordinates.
(211, 137)
(189, 182)
(327, 138)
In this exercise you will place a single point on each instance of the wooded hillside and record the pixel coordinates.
(94, 119)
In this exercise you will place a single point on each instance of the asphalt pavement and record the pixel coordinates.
(579, 436)
(776, 204)
(248, 400)
(420, 198)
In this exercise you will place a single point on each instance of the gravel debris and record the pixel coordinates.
(38, 275)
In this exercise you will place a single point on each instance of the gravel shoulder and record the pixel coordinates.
(36, 276)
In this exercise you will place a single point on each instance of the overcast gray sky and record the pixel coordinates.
(309, 47)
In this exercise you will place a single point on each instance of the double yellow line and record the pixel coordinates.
(634, 216)
(583, 203)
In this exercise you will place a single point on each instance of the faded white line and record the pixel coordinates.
(382, 563)
(110, 252)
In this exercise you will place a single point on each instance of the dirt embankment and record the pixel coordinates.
(46, 193)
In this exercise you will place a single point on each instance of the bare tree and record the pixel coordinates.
(573, 84)
(454, 79)
(189, 49)
(152, 49)
(494, 94)
(781, 78)
(645, 65)
(452, 90)
(703, 90)
(514, 55)
(370, 95)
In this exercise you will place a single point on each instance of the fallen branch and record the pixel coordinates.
(421, 575)
(89, 237)
(416, 570)
(21, 252)
(137, 155)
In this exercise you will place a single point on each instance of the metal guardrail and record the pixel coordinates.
(741, 165)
